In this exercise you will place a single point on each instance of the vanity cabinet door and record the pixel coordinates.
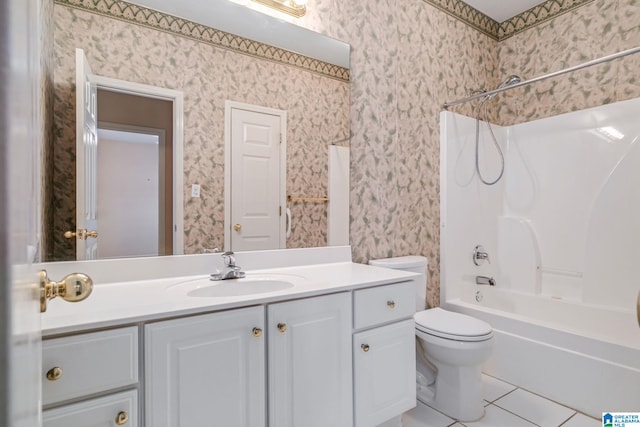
(310, 375)
(206, 370)
(384, 361)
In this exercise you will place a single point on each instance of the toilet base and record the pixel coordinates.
(456, 393)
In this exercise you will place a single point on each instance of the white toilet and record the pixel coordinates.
(451, 348)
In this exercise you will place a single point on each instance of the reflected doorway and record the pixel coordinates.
(133, 200)
(135, 179)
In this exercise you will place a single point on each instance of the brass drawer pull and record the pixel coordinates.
(391, 304)
(365, 347)
(257, 332)
(282, 327)
(54, 373)
(122, 418)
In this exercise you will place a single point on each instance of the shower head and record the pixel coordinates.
(511, 80)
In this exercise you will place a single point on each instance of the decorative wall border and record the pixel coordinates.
(470, 16)
(537, 15)
(134, 14)
(512, 26)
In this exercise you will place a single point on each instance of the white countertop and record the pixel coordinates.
(127, 302)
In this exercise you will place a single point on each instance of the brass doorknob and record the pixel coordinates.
(122, 418)
(81, 234)
(257, 332)
(73, 288)
(391, 304)
(237, 227)
(365, 347)
(282, 327)
(54, 373)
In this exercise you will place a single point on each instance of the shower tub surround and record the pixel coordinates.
(561, 230)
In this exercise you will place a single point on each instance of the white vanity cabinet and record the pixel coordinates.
(310, 365)
(384, 353)
(206, 370)
(212, 368)
(78, 369)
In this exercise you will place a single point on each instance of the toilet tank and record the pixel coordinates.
(413, 264)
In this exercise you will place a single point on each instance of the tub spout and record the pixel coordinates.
(484, 280)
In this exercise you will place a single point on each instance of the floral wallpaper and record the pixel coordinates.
(317, 108)
(597, 29)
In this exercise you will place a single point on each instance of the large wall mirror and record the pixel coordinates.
(210, 68)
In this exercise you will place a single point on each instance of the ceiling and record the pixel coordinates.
(501, 10)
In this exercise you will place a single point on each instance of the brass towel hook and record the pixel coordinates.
(73, 288)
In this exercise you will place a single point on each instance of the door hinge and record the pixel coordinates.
(280, 210)
(281, 138)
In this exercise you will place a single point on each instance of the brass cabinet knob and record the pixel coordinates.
(257, 332)
(365, 347)
(122, 418)
(54, 373)
(237, 227)
(391, 304)
(73, 288)
(282, 327)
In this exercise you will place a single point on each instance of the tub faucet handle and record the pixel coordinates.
(480, 255)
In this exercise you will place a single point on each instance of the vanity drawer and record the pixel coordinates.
(84, 364)
(117, 409)
(383, 304)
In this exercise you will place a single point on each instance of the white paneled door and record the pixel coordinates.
(86, 160)
(256, 177)
(21, 124)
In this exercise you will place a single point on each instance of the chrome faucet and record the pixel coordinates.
(231, 270)
(484, 280)
(480, 255)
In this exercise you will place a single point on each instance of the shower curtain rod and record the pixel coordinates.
(587, 64)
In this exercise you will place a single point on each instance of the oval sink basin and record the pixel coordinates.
(251, 285)
(238, 287)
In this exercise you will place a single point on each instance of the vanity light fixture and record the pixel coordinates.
(295, 8)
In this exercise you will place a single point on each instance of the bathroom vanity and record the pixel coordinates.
(330, 343)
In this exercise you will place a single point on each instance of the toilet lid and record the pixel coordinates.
(456, 326)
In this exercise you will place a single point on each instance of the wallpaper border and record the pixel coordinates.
(537, 15)
(138, 15)
(512, 26)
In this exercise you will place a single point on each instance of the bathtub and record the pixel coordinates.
(585, 357)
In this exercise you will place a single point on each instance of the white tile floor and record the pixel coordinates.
(506, 406)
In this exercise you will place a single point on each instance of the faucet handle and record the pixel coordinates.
(229, 259)
(480, 255)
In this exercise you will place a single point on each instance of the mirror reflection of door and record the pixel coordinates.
(135, 202)
(86, 161)
(129, 136)
(256, 145)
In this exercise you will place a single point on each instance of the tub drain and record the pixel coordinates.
(478, 296)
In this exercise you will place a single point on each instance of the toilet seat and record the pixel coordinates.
(452, 326)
